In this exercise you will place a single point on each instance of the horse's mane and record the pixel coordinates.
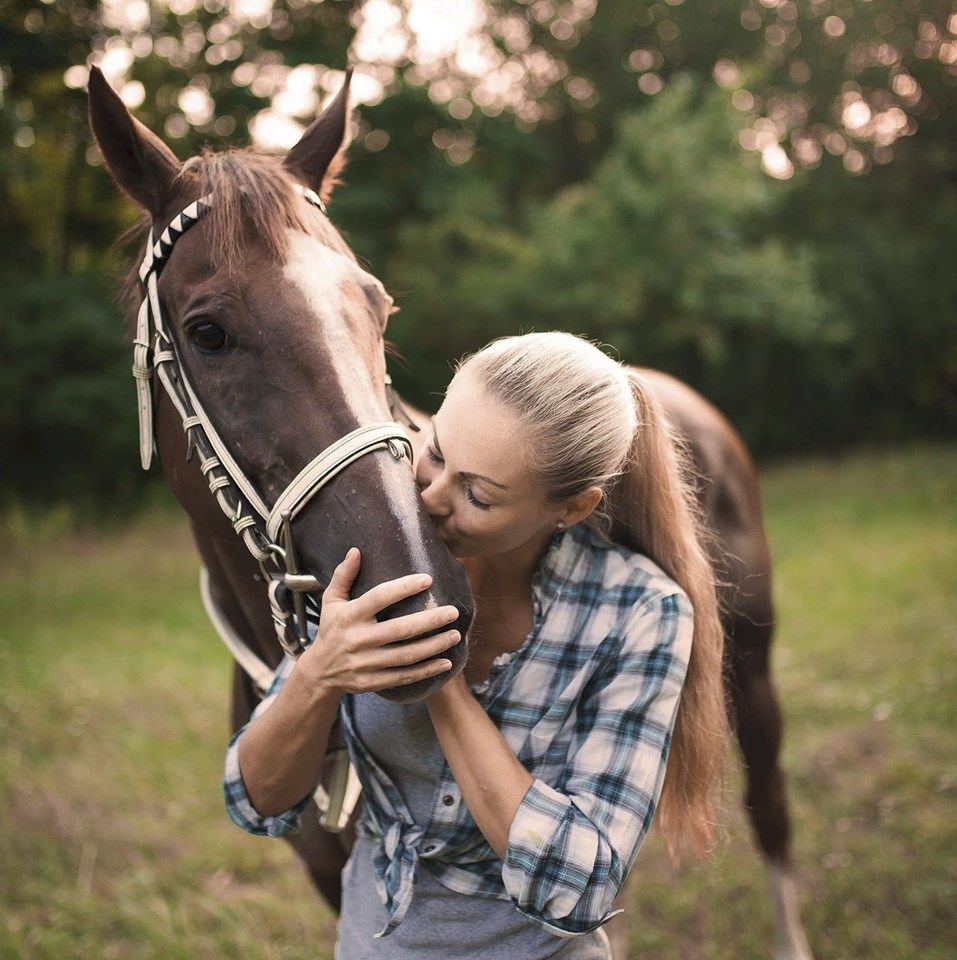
(254, 197)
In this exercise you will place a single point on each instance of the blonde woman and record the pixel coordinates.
(501, 816)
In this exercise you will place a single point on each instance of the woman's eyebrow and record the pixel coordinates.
(464, 473)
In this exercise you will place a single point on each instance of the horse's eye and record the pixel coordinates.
(208, 336)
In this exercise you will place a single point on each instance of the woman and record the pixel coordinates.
(501, 815)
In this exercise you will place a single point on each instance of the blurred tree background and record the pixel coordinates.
(757, 196)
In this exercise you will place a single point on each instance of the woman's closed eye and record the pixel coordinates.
(435, 458)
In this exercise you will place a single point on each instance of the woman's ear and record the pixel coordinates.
(582, 505)
(140, 163)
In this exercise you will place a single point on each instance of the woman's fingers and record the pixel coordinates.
(385, 594)
(400, 676)
(411, 653)
(355, 654)
(340, 583)
(412, 625)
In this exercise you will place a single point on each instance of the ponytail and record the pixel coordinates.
(615, 434)
(655, 510)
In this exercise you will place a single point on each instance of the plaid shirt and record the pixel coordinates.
(588, 704)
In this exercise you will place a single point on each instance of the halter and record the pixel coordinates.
(258, 524)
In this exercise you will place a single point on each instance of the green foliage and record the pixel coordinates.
(885, 257)
(670, 253)
(815, 312)
(675, 226)
(114, 841)
(68, 412)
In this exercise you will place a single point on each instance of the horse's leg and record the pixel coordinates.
(756, 717)
(324, 854)
(617, 928)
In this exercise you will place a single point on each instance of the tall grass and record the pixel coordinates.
(113, 722)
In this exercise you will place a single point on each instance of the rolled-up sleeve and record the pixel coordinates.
(570, 847)
(238, 805)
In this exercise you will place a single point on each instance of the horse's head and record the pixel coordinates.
(280, 333)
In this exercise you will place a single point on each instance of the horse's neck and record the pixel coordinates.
(239, 596)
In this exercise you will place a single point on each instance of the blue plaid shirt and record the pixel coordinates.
(587, 703)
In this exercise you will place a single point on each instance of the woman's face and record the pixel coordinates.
(474, 479)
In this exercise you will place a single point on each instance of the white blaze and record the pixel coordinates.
(320, 273)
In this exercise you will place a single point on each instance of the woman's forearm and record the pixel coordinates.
(492, 779)
(281, 751)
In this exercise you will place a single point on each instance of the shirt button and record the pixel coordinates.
(448, 799)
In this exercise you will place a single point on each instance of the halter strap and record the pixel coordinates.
(333, 460)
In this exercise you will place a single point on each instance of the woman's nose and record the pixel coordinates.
(431, 501)
(432, 498)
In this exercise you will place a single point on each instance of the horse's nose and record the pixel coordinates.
(457, 654)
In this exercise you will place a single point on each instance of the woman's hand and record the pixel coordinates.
(353, 652)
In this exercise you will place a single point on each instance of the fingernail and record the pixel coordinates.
(425, 581)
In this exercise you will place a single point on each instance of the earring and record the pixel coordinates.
(560, 524)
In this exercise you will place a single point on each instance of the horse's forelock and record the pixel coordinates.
(254, 196)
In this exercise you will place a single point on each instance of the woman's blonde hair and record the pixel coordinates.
(593, 422)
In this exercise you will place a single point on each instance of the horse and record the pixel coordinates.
(273, 348)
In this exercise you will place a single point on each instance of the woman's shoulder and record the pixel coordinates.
(649, 609)
(631, 575)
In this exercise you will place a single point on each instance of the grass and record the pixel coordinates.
(113, 723)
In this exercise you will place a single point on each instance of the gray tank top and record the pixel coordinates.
(440, 923)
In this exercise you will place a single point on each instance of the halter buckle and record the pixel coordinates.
(398, 449)
(292, 568)
(302, 583)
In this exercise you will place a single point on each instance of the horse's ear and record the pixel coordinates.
(319, 157)
(140, 163)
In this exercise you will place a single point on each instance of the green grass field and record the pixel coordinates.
(113, 723)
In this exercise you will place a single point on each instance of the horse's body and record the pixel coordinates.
(324, 363)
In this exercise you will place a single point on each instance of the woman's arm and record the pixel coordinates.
(239, 805)
(492, 779)
(568, 851)
(280, 753)
(275, 760)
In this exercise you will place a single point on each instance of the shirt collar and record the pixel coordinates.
(559, 561)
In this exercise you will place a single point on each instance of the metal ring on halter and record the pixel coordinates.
(276, 548)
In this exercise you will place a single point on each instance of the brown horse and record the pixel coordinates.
(282, 333)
